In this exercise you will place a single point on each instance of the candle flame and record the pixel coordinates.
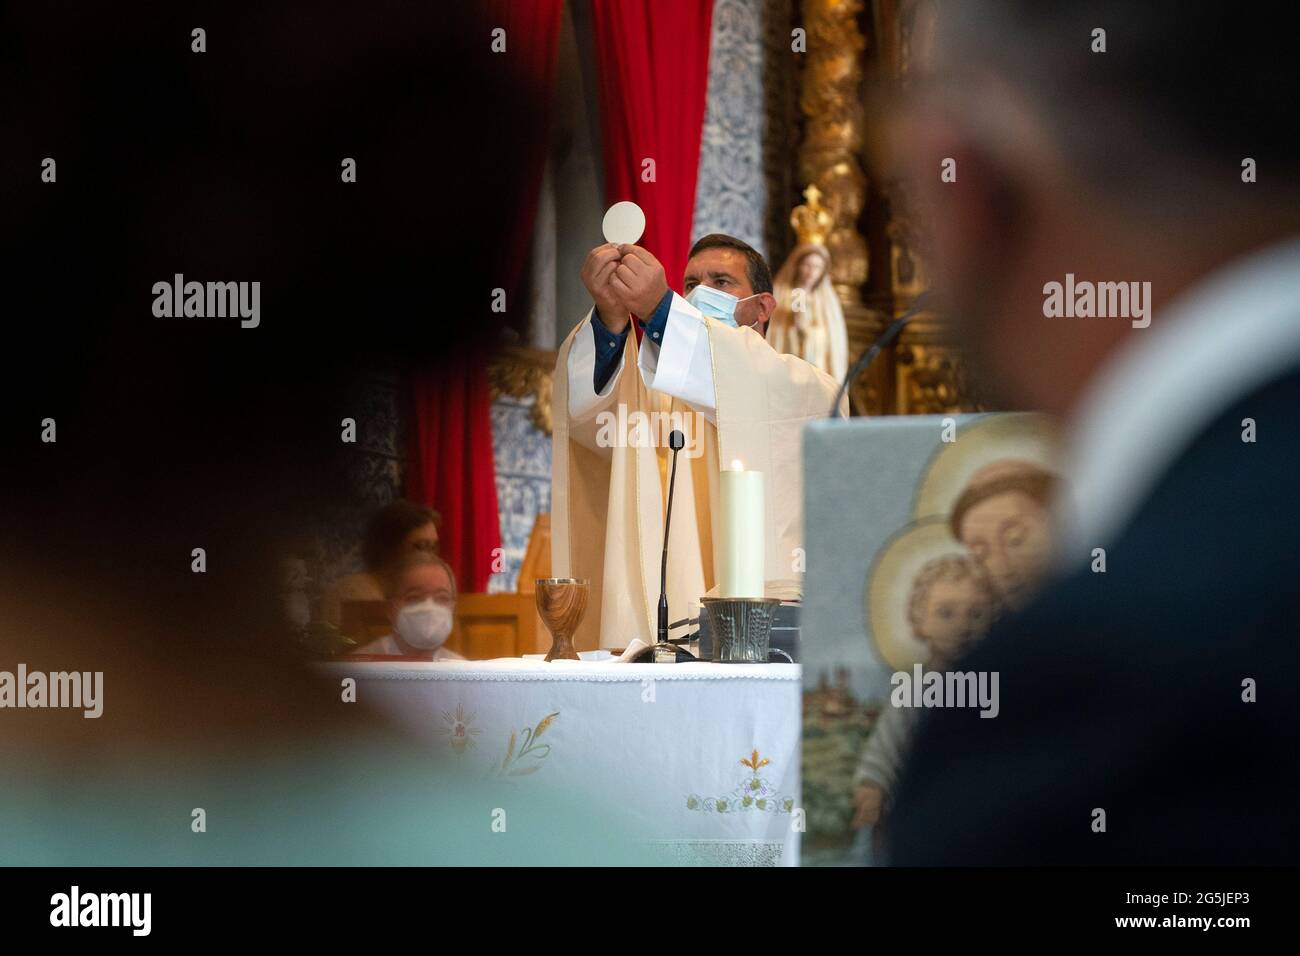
(737, 465)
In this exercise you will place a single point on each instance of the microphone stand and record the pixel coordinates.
(886, 339)
(676, 441)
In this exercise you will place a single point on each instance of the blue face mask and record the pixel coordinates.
(716, 304)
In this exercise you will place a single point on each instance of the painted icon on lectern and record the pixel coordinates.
(926, 596)
(956, 535)
(995, 487)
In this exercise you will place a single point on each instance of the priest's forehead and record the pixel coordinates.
(724, 269)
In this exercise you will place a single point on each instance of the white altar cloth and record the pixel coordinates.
(702, 758)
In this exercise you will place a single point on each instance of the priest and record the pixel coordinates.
(702, 366)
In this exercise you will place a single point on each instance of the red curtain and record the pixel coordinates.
(532, 44)
(652, 60)
(452, 468)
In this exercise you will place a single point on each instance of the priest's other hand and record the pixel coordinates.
(596, 273)
(639, 280)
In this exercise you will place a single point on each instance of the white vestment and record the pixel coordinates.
(736, 399)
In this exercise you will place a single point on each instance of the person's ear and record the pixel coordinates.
(766, 305)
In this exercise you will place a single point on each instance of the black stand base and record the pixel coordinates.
(651, 655)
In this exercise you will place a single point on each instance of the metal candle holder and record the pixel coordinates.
(741, 628)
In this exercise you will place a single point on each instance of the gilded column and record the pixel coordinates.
(929, 372)
(830, 100)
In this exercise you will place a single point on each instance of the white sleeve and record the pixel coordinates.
(681, 365)
(882, 755)
(584, 400)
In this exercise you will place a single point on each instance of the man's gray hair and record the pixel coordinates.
(392, 577)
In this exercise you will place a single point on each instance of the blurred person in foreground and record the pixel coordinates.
(1147, 710)
(420, 594)
(216, 743)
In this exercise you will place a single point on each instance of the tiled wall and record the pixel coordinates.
(375, 478)
(748, 140)
(523, 463)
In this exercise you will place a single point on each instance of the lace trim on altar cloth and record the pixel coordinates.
(717, 852)
(373, 671)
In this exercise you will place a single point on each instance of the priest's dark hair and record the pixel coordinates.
(759, 273)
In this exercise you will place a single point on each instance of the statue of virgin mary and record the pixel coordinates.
(809, 321)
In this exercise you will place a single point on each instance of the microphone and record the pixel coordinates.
(676, 441)
(886, 338)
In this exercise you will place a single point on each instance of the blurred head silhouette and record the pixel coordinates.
(1090, 139)
(181, 433)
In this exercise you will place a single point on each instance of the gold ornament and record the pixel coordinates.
(812, 221)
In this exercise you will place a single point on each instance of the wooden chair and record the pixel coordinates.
(507, 624)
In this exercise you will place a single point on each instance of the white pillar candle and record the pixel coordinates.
(741, 527)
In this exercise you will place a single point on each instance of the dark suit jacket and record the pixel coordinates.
(1123, 691)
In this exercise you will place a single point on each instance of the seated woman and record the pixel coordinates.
(421, 597)
(398, 529)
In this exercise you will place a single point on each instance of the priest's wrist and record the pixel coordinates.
(614, 318)
(650, 302)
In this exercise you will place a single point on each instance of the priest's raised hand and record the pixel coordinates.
(639, 280)
(597, 271)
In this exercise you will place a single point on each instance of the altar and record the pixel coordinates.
(702, 759)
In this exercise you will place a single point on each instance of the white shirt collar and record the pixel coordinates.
(1228, 334)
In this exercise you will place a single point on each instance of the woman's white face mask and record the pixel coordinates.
(425, 624)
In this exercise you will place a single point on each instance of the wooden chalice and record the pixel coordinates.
(561, 602)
